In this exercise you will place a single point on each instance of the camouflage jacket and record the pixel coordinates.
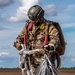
(35, 37)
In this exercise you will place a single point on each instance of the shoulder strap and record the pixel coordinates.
(25, 34)
(59, 29)
(46, 33)
(60, 32)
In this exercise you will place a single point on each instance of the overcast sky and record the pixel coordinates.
(13, 14)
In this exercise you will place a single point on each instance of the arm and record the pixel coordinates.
(53, 37)
(20, 39)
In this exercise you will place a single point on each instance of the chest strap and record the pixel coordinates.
(30, 26)
(46, 35)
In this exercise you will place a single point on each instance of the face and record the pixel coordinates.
(36, 21)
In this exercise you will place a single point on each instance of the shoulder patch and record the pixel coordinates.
(42, 26)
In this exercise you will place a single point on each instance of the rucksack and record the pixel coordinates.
(61, 48)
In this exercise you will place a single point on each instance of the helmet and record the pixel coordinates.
(35, 12)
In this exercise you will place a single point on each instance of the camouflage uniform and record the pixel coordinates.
(35, 38)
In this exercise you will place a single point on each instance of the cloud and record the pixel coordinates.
(68, 25)
(4, 3)
(1, 61)
(67, 15)
(21, 13)
(3, 28)
(73, 59)
(53, 9)
(4, 54)
(5, 47)
(9, 62)
(1, 19)
(70, 61)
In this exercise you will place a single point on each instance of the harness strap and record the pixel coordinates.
(46, 34)
(25, 39)
(30, 26)
(25, 34)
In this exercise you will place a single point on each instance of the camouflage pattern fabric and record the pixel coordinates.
(35, 38)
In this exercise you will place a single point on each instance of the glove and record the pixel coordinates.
(17, 44)
(22, 40)
(49, 47)
(42, 51)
